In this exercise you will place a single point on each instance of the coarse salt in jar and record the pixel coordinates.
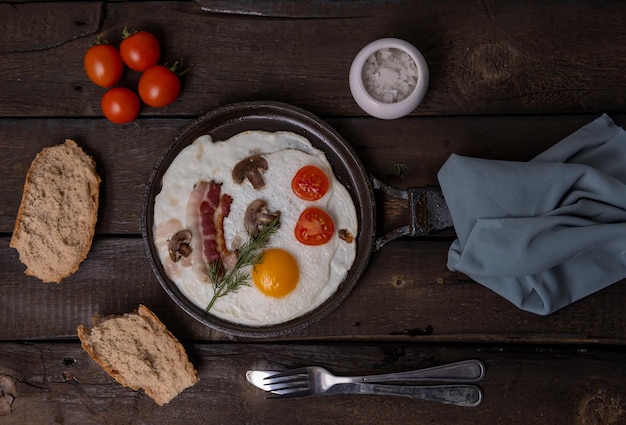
(389, 78)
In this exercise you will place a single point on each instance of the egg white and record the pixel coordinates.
(322, 268)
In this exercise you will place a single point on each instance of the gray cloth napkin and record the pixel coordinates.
(547, 232)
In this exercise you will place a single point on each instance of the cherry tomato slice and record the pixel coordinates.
(103, 65)
(140, 50)
(120, 105)
(310, 183)
(159, 86)
(314, 227)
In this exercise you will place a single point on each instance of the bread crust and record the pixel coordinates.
(188, 373)
(22, 238)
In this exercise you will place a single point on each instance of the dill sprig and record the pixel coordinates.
(250, 253)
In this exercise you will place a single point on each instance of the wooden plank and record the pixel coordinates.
(536, 385)
(405, 289)
(529, 57)
(126, 154)
(31, 26)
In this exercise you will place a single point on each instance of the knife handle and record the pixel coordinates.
(458, 395)
(464, 371)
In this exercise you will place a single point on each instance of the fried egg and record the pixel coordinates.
(293, 278)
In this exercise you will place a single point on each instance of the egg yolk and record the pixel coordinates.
(277, 275)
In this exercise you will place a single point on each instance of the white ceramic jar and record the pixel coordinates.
(378, 67)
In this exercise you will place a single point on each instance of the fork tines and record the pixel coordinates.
(288, 376)
(292, 383)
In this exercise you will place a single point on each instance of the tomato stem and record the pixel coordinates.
(99, 40)
(127, 33)
(177, 67)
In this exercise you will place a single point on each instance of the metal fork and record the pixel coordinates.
(317, 380)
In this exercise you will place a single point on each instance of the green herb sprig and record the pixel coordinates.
(250, 253)
(398, 169)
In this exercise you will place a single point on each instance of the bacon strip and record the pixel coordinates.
(206, 209)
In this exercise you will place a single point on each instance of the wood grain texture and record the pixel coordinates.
(406, 289)
(126, 155)
(526, 57)
(507, 81)
(59, 383)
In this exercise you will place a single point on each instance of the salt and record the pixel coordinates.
(390, 75)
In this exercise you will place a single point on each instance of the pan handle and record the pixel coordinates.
(427, 208)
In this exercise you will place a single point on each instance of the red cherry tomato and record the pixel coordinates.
(314, 227)
(159, 86)
(140, 50)
(103, 65)
(310, 183)
(120, 105)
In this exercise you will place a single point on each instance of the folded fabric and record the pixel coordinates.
(547, 232)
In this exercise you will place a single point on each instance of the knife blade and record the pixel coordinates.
(256, 377)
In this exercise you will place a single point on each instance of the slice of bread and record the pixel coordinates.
(57, 216)
(139, 352)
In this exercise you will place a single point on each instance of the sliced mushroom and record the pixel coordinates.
(251, 168)
(180, 245)
(257, 216)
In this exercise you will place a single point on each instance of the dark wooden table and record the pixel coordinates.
(508, 79)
